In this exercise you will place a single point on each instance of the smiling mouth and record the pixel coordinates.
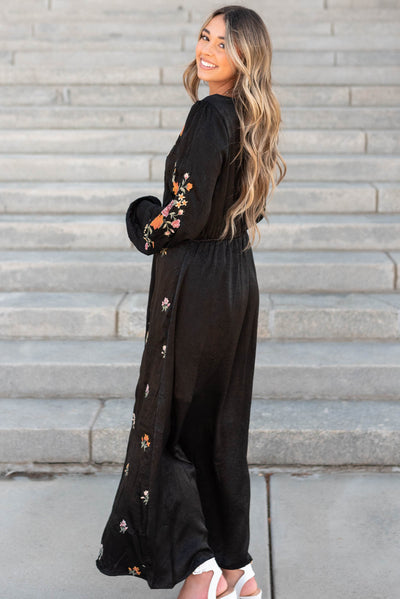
(207, 65)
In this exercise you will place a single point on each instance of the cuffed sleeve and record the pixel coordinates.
(187, 202)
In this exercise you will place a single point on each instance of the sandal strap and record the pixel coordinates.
(210, 564)
(248, 573)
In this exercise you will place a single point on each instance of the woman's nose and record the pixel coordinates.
(207, 49)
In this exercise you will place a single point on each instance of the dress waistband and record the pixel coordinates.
(226, 239)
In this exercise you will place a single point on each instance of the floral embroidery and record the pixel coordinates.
(165, 304)
(126, 471)
(133, 419)
(146, 391)
(168, 219)
(164, 351)
(145, 442)
(163, 251)
(123, 526)
(100, 552)
(145, 497)
(135, 571)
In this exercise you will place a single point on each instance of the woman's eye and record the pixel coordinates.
(204, 37)
(222, 45)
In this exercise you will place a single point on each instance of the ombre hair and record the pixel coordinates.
(248, 46)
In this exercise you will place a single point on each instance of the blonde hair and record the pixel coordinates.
(248, 46)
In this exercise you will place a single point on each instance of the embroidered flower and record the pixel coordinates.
(123, 526)
(145, 443)
(145, 497)
(157, 222)
(126, 471)
(135, 571)
(165, 304)
(100, 552)
(133, 419)
(164, 351)
(146, 391)
(167, 220)
(163, 251)
(165, 211)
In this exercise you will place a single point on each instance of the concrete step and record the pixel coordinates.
(68, 167)
(331, 232)
(354, 57)
(301, 75)
(284, 432)
(313, 167)
(123, 271)
(114, 198)
(150, 140)
(342, 120)
(282, 232)
(315, 9)
(149, 54)
(136, 37)
(144, 167)
(172, 75)
(284, 369)
(297, 96)
(330, 432)
(316, 117)
(363, 4)
(92, 9)
(281, 316)
(59, 315)
(173, 55)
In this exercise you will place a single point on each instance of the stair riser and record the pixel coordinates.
(110, 125)
(175, 96)
(131, 38)
(273, 324)
(156, 140)
(172, 75)
(274, 236)
(114, 198)
(279, 433)
(65, 380)
(272, 277)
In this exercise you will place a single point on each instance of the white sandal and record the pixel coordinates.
(206, 566)
(248, 573)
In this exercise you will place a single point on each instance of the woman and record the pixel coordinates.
(181, 510)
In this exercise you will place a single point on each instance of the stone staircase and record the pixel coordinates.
(90, 102)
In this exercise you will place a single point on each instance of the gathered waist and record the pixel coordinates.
(242, 235)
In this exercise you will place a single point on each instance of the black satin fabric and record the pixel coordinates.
(184, 492)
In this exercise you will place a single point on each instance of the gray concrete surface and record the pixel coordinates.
(333, 534)
(336, 535)
(51, 530)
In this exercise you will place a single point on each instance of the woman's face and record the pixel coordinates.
(213, 64)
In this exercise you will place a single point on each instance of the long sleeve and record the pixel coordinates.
(199, 156)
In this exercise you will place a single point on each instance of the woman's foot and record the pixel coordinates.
(196, 586)
(232, 576)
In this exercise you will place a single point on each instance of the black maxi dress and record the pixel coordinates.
(184, 492)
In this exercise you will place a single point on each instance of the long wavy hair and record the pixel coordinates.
(248, 45)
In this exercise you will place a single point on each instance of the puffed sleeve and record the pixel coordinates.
(199, 157)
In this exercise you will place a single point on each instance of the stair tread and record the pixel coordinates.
(345, 354)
